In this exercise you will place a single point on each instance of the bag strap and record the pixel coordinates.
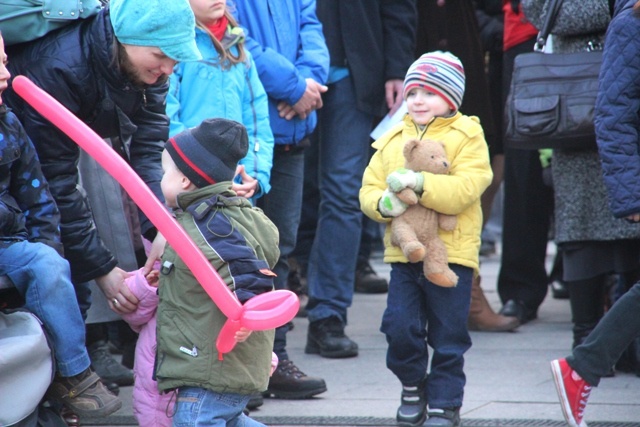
(550, 19)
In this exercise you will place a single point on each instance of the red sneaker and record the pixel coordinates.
(572, 390)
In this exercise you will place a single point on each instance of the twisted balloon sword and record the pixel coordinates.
(264, 311)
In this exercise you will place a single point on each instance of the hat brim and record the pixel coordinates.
(183, 52)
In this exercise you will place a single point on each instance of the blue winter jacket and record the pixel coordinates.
(201, 90)
(287, 44)
(617, 114)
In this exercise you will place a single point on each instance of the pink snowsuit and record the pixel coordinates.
(149, 406)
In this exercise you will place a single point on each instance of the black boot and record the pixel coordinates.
(326, 337)
(106, 366)
(367, 280)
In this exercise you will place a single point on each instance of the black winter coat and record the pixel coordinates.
(375, 39)
(75, 65)
(27, 209)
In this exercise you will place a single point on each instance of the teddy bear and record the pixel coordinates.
(416, 230)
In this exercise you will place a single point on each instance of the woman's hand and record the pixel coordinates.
(120, 298)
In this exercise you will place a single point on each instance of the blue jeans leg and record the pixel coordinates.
(42, 277)
(199, 407)
(420, 313)
(282, 206)
(594, 358)
(343, 154)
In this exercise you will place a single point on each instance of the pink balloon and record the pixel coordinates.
(264, 311)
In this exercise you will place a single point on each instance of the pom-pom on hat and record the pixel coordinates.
(166, 24)
(439, 72)
(209, 153)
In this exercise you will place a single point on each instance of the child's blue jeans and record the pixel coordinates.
(420, 313)
(199, 407)
(42, 277)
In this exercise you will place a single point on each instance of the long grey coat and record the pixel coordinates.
(581, 205)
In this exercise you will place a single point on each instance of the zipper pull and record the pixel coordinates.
(192, 353)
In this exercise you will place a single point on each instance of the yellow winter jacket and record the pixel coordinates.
(455, 194)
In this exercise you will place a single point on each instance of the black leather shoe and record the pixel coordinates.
(518, 309)
(367, 280)
(289, 382)
(255, 401)
(326, 337)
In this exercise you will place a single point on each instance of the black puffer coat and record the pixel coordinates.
(27, 210)
(75, 65)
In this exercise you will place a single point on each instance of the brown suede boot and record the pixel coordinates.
(481, 315)
(84, 395)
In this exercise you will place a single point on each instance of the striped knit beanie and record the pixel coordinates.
(438, 72)
(209, 153)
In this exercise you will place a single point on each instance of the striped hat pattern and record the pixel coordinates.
(439, 72)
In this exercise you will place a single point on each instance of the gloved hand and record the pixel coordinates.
(405, 178)
(390, 206)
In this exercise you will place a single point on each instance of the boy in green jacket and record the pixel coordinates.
(242, 245)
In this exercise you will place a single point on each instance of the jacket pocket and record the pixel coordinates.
(183, 352)
(537, 116)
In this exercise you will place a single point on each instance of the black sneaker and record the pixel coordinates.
(289, 382)
(106, 366)
(367, 280)
(326, 337)
(449, 417)
(413, 405)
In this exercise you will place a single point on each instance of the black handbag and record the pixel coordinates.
(552, 97)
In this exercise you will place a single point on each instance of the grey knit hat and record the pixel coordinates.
(209, 153)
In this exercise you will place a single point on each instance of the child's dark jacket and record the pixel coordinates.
(27, 209)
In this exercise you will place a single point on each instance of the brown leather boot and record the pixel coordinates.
(481, 315)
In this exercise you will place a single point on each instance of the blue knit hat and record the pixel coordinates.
(209, 152)
(438, 72)
(166, 24)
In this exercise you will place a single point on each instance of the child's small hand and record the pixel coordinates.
(390, 206)
(153, 278)
(405, 178)
(242, 334)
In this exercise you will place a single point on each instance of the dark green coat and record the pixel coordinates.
(187, 317)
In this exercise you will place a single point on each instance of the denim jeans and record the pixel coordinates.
(342, 154)
(42, 277)
(601, 349)
(420, 313)
(199, 407)
(282, 206)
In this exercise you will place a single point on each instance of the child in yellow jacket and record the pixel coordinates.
(418, 312)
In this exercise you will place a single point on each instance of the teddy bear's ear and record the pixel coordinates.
(409, 146)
